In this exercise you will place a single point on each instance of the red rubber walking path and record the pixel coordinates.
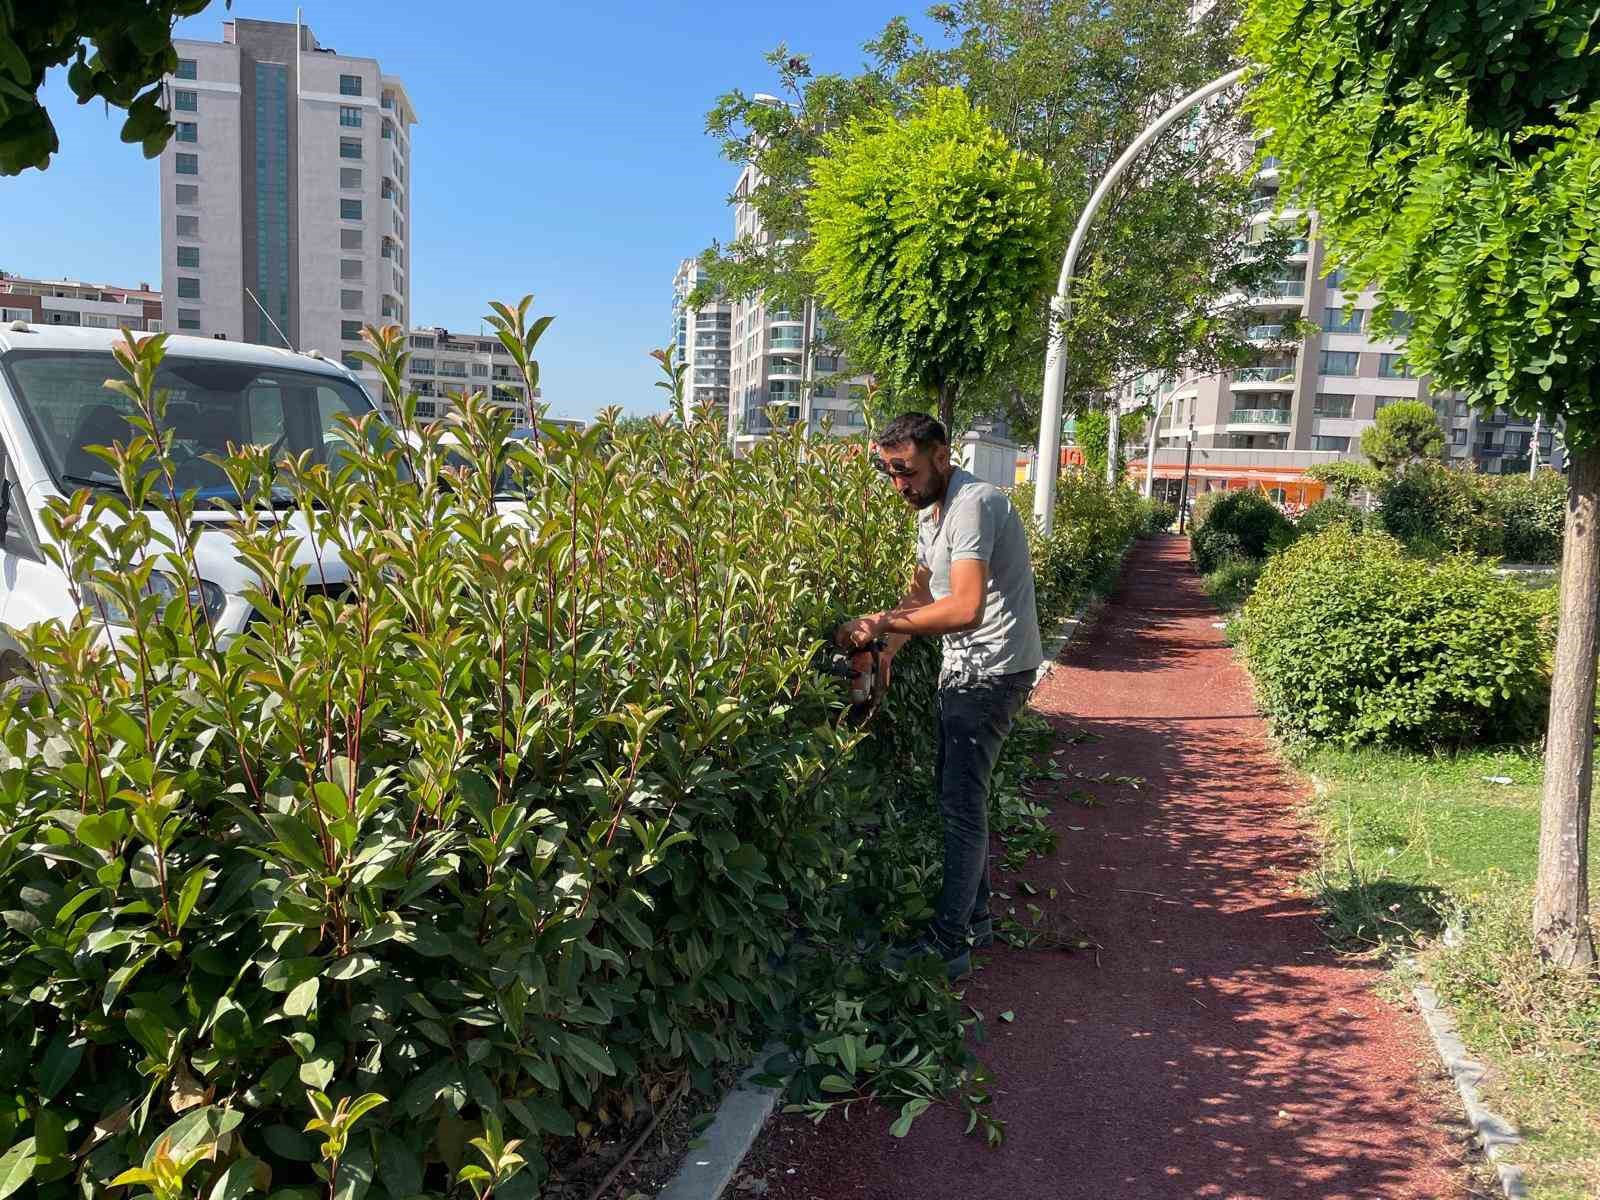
(1214, 1046)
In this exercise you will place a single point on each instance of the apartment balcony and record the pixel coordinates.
(1279, 291)
(1266, 333)
(1258, 418)
(1261, 379)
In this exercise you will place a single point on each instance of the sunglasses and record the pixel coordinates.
(897, 470)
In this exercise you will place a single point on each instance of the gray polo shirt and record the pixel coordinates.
(976, 521)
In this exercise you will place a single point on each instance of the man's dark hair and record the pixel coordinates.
(916, 427)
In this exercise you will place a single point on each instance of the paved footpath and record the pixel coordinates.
(1214, 1046)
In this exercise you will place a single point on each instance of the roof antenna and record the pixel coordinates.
(270, 321)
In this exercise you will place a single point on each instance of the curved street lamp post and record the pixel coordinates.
(1055, 368)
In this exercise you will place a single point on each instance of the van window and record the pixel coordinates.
(210, 403)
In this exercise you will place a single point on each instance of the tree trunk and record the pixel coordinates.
(947, 407)
(1561, 898)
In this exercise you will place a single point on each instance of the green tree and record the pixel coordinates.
(131, 43)
(1452, 153)
(1405, 432)
(1092, 434)
(1072, 83)
(1345, 478)
(934, 239)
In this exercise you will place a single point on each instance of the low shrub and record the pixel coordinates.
(1329, 512)
(1160, 517)
(1200, 508)
(1533, 513)
(1436, 510)
(508, 836)
(1352, 641)
(1241, 524)
(1093, 524)
(1230, 585)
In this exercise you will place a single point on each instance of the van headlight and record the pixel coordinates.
(208, 595)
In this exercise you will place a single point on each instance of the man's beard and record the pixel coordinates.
(935, 493)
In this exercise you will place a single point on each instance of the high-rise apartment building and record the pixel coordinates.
(780, 356)
(703, 336)
(285, 194)
(1307, 398)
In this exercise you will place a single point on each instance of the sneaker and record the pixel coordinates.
(957, 962)
(982, 932)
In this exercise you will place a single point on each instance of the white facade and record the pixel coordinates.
(703, 336)
(445, 364)
(285, 202)
(70, 302)
(779, 356)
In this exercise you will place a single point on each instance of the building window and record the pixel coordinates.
(187, 69)
(349, 116)
(1339, 362)
(351, 362)
(188, 193)
(1458, 436)
(1334, 320)
(350, 148)
(185, 101)
(188, 287)
(349, 85)
(188, 226)
(188, 318)
(188, 164)
(350, 301)
(388, 100)
(350, 331)
(480, 370)
(1324, 442)
(350, 210)
(1331, 405)
(350, 177)
(350, 239)
(388, 189)
(388, 131)
(349, 268)
(421, 366)
(188, 131)
(1336, 278)
(189, 256)
(1393, 366)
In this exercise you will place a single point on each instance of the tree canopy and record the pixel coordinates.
(1072, 83)
(131, 42)
(1405, 432)
(934, 239)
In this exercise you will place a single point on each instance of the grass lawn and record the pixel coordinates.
(1428, 853)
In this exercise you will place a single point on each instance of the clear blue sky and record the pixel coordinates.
(561, 151)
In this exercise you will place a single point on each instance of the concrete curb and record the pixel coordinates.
(1497, 1135)
(710, 1164)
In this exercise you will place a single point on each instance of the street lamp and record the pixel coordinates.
(1183, 496)
(1055, 365)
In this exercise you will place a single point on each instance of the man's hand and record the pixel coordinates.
(860, 631)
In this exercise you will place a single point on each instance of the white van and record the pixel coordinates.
(54, 404)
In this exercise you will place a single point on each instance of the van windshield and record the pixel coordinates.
(210, 403)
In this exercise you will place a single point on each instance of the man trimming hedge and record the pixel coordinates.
(974, 588)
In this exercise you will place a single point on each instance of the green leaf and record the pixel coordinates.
(16, 1167)
(399, 1169)
(540, 1115)
(193, 884)
(61, 1059)
(302, 999)
(238, 1180)
(591, 1054)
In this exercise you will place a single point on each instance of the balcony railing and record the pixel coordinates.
(1276, 289)
(1259, 416)
(1265, 333)
(1262, 203)
(1262, 375)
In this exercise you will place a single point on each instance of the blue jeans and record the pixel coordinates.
(975, 714)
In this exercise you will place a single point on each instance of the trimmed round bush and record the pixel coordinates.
(1159, 518)
(1352, 641)
(1240, 524)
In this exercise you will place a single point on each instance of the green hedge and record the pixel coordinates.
(552, 810)
(1092, 527)
(1352, 641)
(1436, 510)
